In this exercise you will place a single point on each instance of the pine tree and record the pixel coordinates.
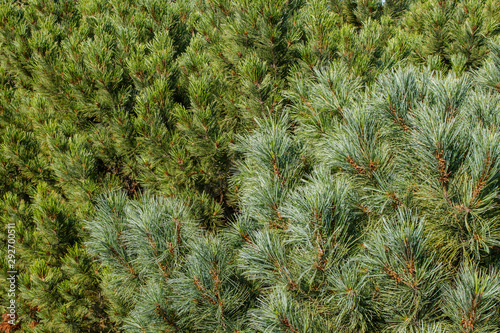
(300, 173)
(489, 74)
(452, 34)
(162, 274)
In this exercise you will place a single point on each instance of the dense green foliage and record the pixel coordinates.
(251, 166)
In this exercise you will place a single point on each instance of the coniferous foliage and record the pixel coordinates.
(392, 227)
(251, 166)
(162, 275)
(489, 75)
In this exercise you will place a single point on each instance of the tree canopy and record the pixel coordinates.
(251, 166)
